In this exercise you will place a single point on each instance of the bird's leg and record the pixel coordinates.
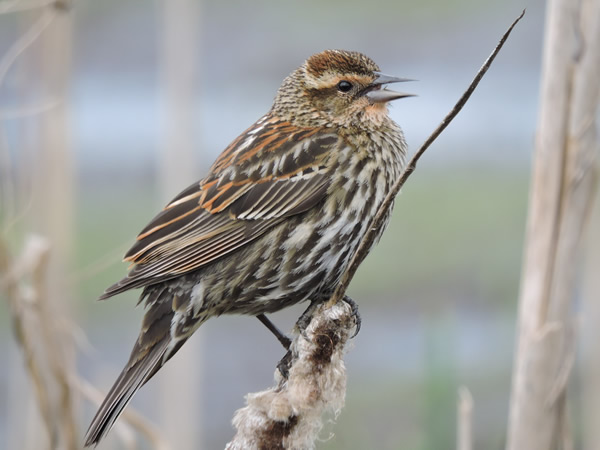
(281, 337)
(355, 313)
(284, 363)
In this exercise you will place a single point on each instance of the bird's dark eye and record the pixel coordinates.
(344, 86)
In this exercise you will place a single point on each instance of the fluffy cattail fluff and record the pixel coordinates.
(289, 415)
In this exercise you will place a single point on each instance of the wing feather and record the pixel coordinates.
(272, 171)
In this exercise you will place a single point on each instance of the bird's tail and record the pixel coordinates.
(166, 326)
(137, 372)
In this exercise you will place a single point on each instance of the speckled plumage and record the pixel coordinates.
(276, 220)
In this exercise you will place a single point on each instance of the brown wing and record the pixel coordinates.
(272, 171)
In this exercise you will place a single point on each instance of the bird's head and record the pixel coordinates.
(337, 87)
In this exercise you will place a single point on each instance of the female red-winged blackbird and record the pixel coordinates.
(276, 220)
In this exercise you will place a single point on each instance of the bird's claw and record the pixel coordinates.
(355, 314)
(285, 364)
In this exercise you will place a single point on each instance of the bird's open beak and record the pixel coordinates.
(376, 94)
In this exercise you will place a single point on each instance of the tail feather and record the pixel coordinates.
(166, 326)
(133, 377)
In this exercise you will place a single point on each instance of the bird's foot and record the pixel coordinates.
(355, 314)
(285, 364)
(302, 323)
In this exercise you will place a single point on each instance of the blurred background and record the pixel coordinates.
(108, 109)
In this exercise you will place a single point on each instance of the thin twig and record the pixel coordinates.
(377, 221)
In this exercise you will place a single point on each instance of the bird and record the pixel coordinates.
(276, 220)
